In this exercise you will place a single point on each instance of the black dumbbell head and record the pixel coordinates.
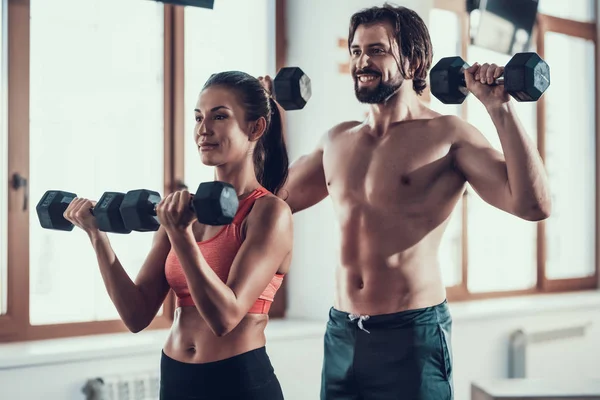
(51, 207)
(215, 203)
(108, 214)
(526, 76)
(138, 210)
(292, 88)
(447, 80)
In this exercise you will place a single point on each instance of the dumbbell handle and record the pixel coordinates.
(152, 207)
(497, 81)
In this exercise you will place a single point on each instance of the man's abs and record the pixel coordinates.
(384, 270)
(392, 195)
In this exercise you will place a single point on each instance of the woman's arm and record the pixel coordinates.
(268, 242)
(136, 302)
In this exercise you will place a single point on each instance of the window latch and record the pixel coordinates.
(18, 182)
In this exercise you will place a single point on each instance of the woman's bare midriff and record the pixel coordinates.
(192, 341)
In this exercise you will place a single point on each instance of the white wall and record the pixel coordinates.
(56, 370)
(481, 338)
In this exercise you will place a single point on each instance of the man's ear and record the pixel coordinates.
(257, 129)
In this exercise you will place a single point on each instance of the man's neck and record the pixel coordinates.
(404, 105)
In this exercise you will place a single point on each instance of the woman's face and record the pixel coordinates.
(221, 132)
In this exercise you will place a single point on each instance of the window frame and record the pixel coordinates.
(3, 151)
(15, 324)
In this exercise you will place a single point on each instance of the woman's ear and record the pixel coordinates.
(257, 129)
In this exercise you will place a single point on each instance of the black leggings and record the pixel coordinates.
(248, 376)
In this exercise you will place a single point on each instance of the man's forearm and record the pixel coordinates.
(527, 178)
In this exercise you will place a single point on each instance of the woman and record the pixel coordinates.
(225, 277)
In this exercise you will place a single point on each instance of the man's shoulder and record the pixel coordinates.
(336, 130)
(342, 127)
(453, 125)
(345, 125)
(447, 121)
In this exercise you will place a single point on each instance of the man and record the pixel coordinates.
(394, 179)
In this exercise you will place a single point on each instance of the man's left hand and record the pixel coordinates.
(480, 81)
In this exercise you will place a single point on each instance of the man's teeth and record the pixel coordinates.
(367, 78)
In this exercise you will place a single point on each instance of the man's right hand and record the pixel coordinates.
(267, 83)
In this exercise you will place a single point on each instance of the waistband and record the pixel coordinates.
(439, 313)
(240, 372)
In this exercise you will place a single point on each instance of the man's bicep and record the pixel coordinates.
(484, 168)
(306, 184)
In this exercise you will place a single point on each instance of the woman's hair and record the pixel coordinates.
(411, 34)
(270, 154)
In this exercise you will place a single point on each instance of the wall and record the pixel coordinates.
(482, 330)
(56, 370)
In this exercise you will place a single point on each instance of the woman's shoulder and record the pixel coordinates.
(270, 210)
(271, 204)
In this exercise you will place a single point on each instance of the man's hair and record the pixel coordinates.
(410, 33)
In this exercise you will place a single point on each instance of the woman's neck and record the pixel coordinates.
(241, 177)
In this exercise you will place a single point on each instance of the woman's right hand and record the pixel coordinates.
(78, 213)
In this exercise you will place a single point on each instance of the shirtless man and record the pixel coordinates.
(394, 179)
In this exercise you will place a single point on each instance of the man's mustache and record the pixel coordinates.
(366, 71)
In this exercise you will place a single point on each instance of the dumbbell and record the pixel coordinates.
(214, 203)
(526, 77)
(52, 205)
(291, 88)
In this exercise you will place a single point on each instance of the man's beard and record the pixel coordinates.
(378, 94)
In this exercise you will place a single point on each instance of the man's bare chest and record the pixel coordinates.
(392, 168)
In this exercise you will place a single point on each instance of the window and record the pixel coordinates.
(491, 231)
(446, 39)
(97, 103)
(244, 44)
(504, 255)
(579, 10)
(445, 27)
(3, 156)
(101, 111)
(571, 158)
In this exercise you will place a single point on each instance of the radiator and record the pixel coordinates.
(138, 386)
(522, 339)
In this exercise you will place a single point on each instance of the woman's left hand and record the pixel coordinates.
(174, 211)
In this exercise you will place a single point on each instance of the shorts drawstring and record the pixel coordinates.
(360, 318)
